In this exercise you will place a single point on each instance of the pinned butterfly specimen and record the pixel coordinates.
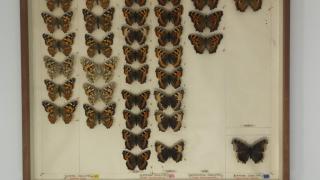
(201, 21)
(139, 100)
(64, 45)
(242, 5)
(94, 22)
(132, 139)
(55, 68)
(94, 93)
(94, 70)
(164, 2)
(165, 78)
(54, 23)
(65, 4)
(165, 121)
(133, 120)
(166, 152)
(169, 100)
(139, 75)
(54, 111)
(95, 117)
(164, 16)
(134, 160)
(133, 55)
(139, 35)
(135, 16)
(254, 151)
(200, 4)
(103, 3)
(201, 43)
(130, 3)
(169, 57)
(64, 89)
(167, 36)
(95, 46)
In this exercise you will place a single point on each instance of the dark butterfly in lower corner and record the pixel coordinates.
(95, 46)
(103, 3)
(139, 100)
(135, 16)
(94, 71)
(164, 2)
(65, 4)
(132, 55)
(138, 35)
(200, 4)
(95, 117)
(169, 57)
(166, 152)
(253, 151)
(165, 121)
(94, 22)
(165, 16)
(140, 119)
(64, 45)
(201, 21)
(54, 23)
(54, 111)
(134, 160)
(55, 90)
(169, 100)
(55, 68)
(132, 139)
(130, 3)
(165, 78)
(94, 93)
(242, 5)
(167, 36)
(201, 43)
(132, 74)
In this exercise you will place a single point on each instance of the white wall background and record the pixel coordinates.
(305, 91)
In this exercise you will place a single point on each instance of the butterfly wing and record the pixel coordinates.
(162, 78)
(177, 12)
(159, 96)
(131, 160)
(90, 4)
(51, 4)
(163, 123)
(52, 66)
(198, 19)
(129, 138)
(178, 99)
(65, 5)
(162, 151)
(242, 149)
(213, 20)
(90, 20)
(67, 43)
(67, 67)
(176, 121)
(52, 89)
(164, 2)
(107, 92)
(129, 75)
(65, 21)
(161, 14)
(143, 139)
(51, 109)
(108, 68)
(143, 98)
(255, 4)
(257, 150)
(50, 21)
(68, 111)
(104, 3)
(241, 5)
(90, 68)
(198, 43)
(176, 77)
(142, 160)
(92, 92)
(51, 43)
(105, 45)
(127, 96)
(90, 112)
(177, 151)
(212, 4)
(199, 4)
(107, 115)
(92, 45)
(143, 120)
(106, 19)
(213, 42)
(67, 88)
(128, 116)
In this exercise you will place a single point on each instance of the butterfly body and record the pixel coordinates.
(54, 111)
(201, 21)
(200, 4)
(130, 3)
(166, 79)
(164, 2)
(135, 35)
(245, 151)
(165, 100)
(133, 160)
(55, 90)
(169, 57)
(165, 121)
(94, 93)
(103, 3)
(96, 22)
(164, 16)
(53, 22)
(99, 47)
(242, 5)
(135, 16)
(95, 117)
(165, 152)
(64, 45)
(94, 70)
(168, 36)
(55, 68)
(132, 140)
(139, 75)
(65, 4)
(132, 55)
(139, 100)
(201, 43)
(133, 120)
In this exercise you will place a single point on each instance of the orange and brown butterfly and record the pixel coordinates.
(94, 22)
(164, 2)
(134, 160)
(54, 23)
(165, 121)
(169, 36)
(94, 93)
(132, 55)
(165, 16)
(242, 5)
(139, 75)
(65, 4)
(103, 3)
(55, 68)
(55, 90)
(200, 4)
(165, 152)
(104, 46)
(64, 45)
(132, 139)
(54, 111)
(138, 35)
(140, 119)
(201, 43)
(166, 57)
(130, 3)
(135, 16)
(95, 117)
(165, 100)
(201, 21)
(139, 100)
(165, 79)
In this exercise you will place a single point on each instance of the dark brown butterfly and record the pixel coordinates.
(55, 90)
(54, 111)
(135, 16)
(94, 22)
(164, 16)
(242, 5)
(164, 2)
(133, 160)
(169, 57)
(105, 117)
(56, 68)
(133, 55)
(200, 4)
(165, 78)
(94, 93)
(54, 23)
(94, 71)
(245, 151)
(130, 3)
(166, 152)
(65, 4)
(165, 100)
(103, 3)
(201, 43)
(64, 45)
(139, 100)
(165, 121)
(201, 21)
(139, 35)
(132, 139)
(167, 36)
(103, 47)
(139, 75)
(133, 120)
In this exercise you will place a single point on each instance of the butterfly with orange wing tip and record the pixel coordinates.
(254, 151)
(139, 100)
(64, 89)
(169, 57)
(133, 120)
(103, 3)
(134, 160)
(164, 2)
(55, 68)
(169, 100)
(64, 45)
(132, 55)
(135, 16)
(139, 75)
(242, 5)
(201, 21)
(200, 4)
(94, 22)
(94, 93)
(166, 36)
(54, 23)
(94, 71)
(165, 78)
(54, 111)
(132, 139)
(201, 43)
(166, 152)
(130, 3)
(165, 121)
(95, 46)
(65, 4)
(139, 35)
(95, 117)
(164, 16)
